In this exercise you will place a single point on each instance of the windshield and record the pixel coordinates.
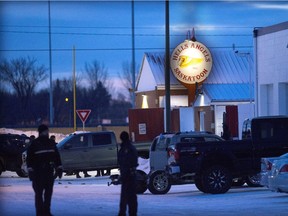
(63, 141)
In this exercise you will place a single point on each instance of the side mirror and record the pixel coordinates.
(67, 146)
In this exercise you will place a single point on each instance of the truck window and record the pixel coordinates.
(192, 139)
(212, 139)
(163, 143)
(276, 130)
(246, 129)
(154, 143)
(266, 130)
(78, 141)
(101, 139)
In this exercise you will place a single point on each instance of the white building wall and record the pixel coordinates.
(272, 57)
(219, 110)
(186, 119)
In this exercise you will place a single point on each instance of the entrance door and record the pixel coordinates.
(202, 121)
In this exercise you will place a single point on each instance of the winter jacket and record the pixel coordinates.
(43, 155)
(127, 159)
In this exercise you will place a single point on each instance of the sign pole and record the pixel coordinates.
(74, 90)
(83, 115)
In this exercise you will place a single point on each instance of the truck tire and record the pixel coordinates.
(141, 182)
(254, 180)
(216, 180)
(199, 184)
(159, 183)
(1, 166)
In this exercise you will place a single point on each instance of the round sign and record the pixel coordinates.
(191, 62)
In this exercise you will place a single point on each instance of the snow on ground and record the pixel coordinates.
(92, 196)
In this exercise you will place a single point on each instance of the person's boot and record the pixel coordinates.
(98, 173)
(77, 175)
(86, 175)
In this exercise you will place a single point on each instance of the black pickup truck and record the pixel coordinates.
(213, 165)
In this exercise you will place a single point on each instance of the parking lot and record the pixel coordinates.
(92, 196)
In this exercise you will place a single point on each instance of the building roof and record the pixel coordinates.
(229, 92)
(229, 79)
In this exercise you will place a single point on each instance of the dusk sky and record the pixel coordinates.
(101, 30)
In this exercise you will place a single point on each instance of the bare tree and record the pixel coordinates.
(96, 73)
(23, 75)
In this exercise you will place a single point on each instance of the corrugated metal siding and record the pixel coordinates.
(228, 92)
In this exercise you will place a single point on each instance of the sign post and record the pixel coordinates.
(83, 115)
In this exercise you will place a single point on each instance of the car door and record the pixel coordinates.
(158, 153)
(103, 153)
(74, 152)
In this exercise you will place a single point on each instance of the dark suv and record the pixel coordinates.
(11, 148)
(161, 154)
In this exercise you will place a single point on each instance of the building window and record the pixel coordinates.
(266, 100)
(283, 98)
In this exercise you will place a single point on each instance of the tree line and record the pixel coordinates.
(22, 105)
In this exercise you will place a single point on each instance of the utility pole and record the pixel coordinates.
(50, 70)
(167, 67)
(133, 57)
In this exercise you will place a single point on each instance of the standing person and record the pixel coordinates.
(128, 161)
(53, 138)
(42, 158)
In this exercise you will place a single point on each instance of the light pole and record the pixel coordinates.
(69, 105)
(50, 69)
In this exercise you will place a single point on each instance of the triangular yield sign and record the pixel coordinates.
(83, 114)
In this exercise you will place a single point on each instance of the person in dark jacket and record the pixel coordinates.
(128, 161)
(43, 159)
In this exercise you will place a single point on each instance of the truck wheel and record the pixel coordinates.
(199, 184)
(141, 182)
(22, 173)
(253, 181)
(1, 166)
(216, 180)
(159, 183)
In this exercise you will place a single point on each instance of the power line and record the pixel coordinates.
(124, 34)
(128, 27)
(109, 49)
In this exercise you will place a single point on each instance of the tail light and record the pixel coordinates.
(173, 153)
(176, 155)
(268, 165)
(284, 168)
(170, 152)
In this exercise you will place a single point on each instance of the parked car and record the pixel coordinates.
(11, 148)
(278, 179)
(161, 152)
(266, 167)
